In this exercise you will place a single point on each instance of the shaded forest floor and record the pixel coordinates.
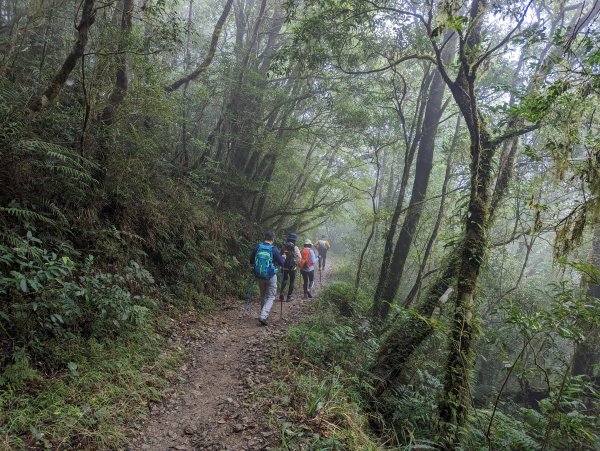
(221, 398)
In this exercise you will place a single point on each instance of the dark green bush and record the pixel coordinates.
(45, 294)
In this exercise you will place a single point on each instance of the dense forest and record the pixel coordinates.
(449, 151)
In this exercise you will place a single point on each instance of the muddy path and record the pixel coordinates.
(212, 407)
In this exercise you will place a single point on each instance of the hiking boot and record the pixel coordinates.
(305, 295)
(263, 322)
(309, 295)
(290, 298)
(281, 297)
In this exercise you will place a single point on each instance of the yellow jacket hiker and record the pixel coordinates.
(322, 246)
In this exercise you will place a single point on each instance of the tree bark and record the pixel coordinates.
(431, 120)
(412, 295)
(587, 351)
(204, 65)
(119, 92)
(88, 16)
(408, 160)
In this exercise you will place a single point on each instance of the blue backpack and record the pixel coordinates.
(263, 262)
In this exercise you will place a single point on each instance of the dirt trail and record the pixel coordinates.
(211, 407)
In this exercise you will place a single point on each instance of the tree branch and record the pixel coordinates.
(211, 51)
(391, 65)
(88, 17)
(513, 133)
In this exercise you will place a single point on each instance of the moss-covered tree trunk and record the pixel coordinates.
(587, 351)
(121, 74)
(456, 398)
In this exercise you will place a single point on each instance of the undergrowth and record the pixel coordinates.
(321, 398)
(321, 369)
(104, 248)
(103, 386)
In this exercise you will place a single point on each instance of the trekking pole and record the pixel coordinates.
(320, 281)
(281, 301)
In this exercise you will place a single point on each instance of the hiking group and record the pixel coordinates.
(267, 258)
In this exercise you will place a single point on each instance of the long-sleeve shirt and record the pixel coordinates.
(277, 258)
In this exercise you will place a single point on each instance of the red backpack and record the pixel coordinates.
(306, 260)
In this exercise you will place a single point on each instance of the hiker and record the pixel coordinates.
(307, 267)
(264, 259)
(322, 246)
(292, 257)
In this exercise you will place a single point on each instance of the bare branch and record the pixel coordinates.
(211, 51)
(391, 65)
(506, 38)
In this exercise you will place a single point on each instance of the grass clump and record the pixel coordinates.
(323, 367)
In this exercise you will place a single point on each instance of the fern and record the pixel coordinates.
(508, 432)
(39, 148)
(25, 214)
(53, 209)
(10, 97)
(76, 175)
(11, 238)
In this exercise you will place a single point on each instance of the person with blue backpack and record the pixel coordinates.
(264, 259)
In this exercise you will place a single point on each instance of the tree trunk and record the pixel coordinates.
(370, 237)
(88, 16)
(204, 65)
(406, 335)
(412, 295)
(587, 351)
(122, 78)
(431, 120)
(391, 233)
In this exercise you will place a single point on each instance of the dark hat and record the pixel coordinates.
(292, 237)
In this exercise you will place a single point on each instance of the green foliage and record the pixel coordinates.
(54, 296)
(325, 359)
(509, 432)
(96, 389)
(348, 301)
(411, 411)
(330, 340)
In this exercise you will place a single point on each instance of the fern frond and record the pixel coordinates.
(53, 209)
(22, 213)
(38, 148)
(10, 95)
(11, 238)
(75, 174)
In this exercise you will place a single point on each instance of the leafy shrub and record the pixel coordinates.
(47, 295)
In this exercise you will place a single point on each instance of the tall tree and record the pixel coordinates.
(431, 119)
(88, 17)
(122, 75)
